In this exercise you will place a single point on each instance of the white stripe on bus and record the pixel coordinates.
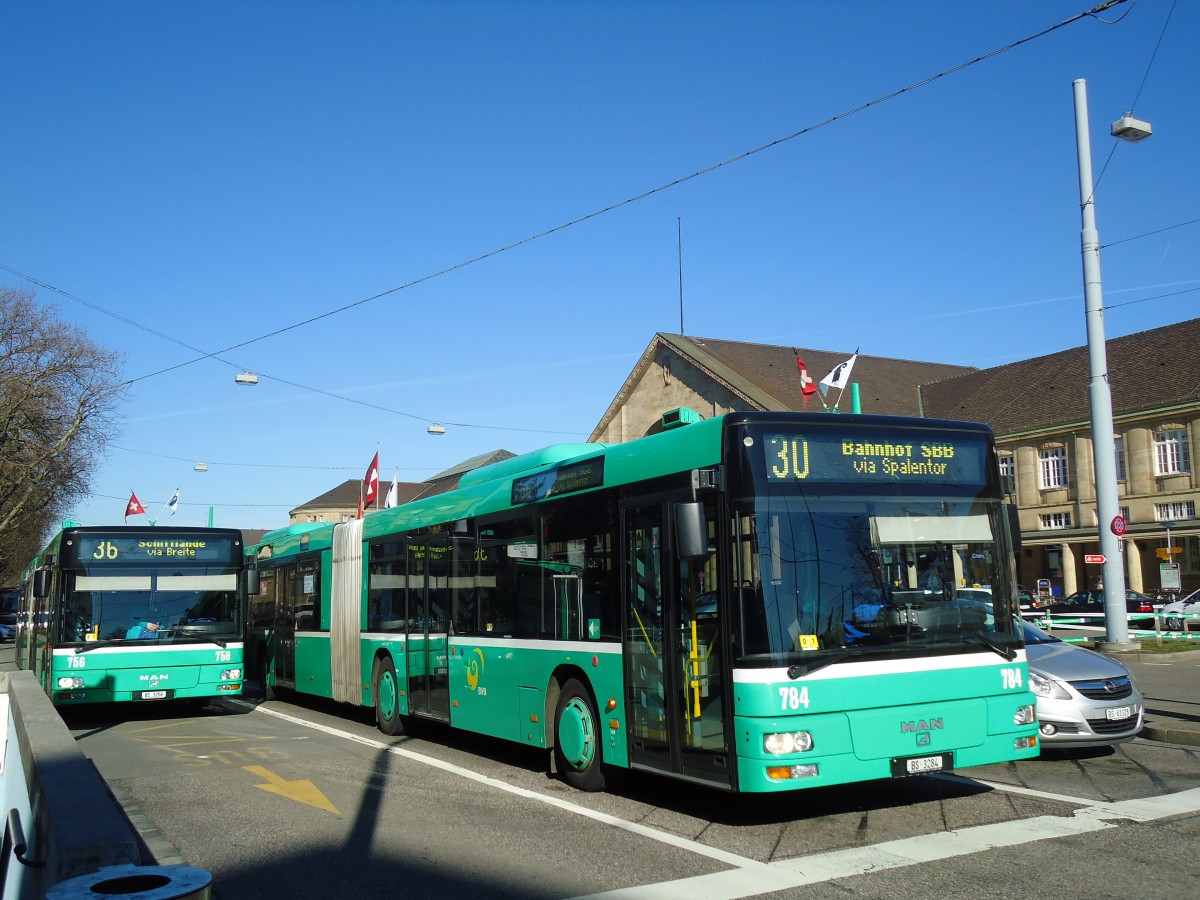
(144, 648)
(862, 668)
(479, 640)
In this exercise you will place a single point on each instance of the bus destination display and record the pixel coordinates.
(122, 549)
(956, 459)
(563, 479)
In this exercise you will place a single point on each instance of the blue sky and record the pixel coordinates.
(218, 171)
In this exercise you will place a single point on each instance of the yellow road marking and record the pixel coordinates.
(301, 790)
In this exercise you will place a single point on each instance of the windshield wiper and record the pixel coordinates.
(93, 645)
(995, 646)
(180, 632)
(805, 668)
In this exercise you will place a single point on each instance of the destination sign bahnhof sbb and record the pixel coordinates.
(951, 459)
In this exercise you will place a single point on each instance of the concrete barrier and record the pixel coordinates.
(70, 823)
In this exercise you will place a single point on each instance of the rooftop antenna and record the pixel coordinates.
(679, 241)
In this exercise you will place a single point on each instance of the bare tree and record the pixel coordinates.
(58, 398)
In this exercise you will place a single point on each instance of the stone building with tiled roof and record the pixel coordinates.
(1037, 407)
(1040, 412)
(714, 376)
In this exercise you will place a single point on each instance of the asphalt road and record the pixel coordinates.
(304, 799)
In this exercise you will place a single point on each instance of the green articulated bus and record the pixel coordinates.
(135, 613)
(756, 601)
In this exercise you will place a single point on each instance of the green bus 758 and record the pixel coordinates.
(110, 614)
(757, 601)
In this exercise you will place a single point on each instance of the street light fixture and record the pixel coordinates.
(1108, 513)
(245, 378)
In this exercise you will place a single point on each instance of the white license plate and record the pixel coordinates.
(923, 764)
(1117, 713)
(154, 695)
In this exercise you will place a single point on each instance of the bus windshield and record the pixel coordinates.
(886, 539)
(110, 603)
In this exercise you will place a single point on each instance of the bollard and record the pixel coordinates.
(137, 883)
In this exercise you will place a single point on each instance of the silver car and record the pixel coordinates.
(1175, 613)
(1084, 699)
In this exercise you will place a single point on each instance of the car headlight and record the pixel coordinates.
(1047, 687)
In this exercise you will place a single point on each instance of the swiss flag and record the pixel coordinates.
(134, 507)
(371, 490)
(807, 386)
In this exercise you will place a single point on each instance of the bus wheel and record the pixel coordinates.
(387, 698)
(577, 739)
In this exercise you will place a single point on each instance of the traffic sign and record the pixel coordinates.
(1118, 525)
(1093, 557)
(1167, 552)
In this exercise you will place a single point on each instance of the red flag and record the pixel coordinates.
(134, 507)
(807, 386)
(371, 491)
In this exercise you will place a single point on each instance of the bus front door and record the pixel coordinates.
(675, 691)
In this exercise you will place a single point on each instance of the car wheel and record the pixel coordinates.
(1174, 624)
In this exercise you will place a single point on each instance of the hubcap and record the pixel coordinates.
(387, 695)
(577, 734)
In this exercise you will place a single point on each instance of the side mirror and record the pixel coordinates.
(41, 583)
(252, 583)
(691, 530)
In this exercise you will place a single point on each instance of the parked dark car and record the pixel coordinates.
(1090, 605)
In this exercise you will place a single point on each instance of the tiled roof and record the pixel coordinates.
(886, 386)
(1155, 369)
(345, 495)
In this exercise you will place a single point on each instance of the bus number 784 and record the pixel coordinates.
(793, 697)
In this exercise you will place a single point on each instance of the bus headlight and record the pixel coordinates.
(69, 682)
(1026, 715)
(231, 674)
(787, 742)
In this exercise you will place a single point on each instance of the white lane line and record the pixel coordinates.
(742, 863)
(749, 878)
(821, 867)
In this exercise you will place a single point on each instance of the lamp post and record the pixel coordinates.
(1111, 524)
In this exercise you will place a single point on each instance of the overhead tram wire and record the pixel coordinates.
(239, 368)
(1093, 12)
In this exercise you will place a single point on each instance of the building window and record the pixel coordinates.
(1171, 455)
(1120, 447)
(1123, 511)
(1053, 467)
(1055, 520)
(1008, 473)
(1173, 512)
(1191, 553)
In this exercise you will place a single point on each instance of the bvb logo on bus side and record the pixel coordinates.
(474, 669)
